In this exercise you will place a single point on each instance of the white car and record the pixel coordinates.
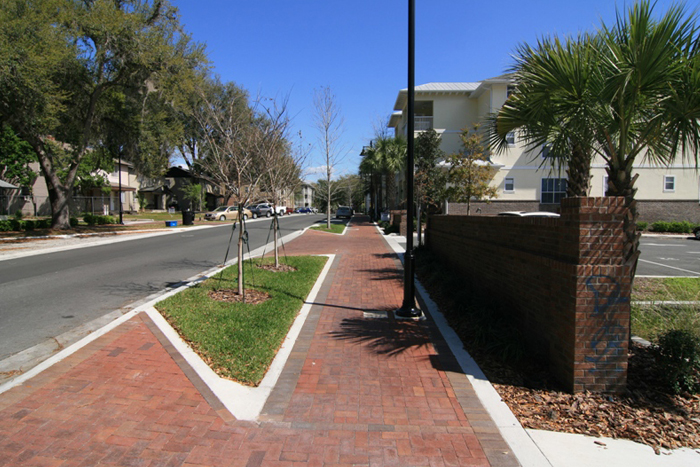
(225, 212)
(528, 214)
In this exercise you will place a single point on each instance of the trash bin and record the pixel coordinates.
(187, 218)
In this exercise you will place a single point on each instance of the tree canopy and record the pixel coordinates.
(101, 76)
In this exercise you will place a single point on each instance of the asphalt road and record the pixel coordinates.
(46, 295)
(669, 256)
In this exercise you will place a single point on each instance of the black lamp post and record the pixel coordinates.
(408, 308)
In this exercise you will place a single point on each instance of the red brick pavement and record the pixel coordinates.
(366, 391)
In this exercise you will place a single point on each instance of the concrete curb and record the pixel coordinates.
(244, 402)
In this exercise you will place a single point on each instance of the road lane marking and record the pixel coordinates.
(670, 267)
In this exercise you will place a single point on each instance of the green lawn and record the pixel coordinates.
(239, 341)
(649, 321)
(667, 288)
(337, 227)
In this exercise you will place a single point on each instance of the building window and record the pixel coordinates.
(553, 190)
(510, 138)
(605, 185)
(509, 185)
(669, 183)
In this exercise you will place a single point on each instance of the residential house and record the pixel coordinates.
(165, 192)
(524, 178)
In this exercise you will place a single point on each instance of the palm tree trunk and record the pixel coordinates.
(578, 173)
(621, 183)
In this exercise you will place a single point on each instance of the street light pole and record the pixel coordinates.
(408, 308)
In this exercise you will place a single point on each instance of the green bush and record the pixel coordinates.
(5, 226)
(642, 225)
(678, 357)
(91, 219)
(73, 221)
(28, 225)
(673, 227)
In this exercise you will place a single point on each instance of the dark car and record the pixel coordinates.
(343, 211)
(696, 232)
(304, 210)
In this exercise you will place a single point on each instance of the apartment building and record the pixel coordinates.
(524, 178)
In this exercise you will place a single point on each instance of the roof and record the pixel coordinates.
(435, 87)
(459, 87)
(8, 186)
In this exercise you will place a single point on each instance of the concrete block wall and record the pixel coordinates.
(563, 279)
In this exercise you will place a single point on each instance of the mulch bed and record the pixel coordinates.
(280, 268)
(252, 296)
(645, 412)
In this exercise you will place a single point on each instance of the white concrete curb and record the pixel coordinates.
(540, 448)
(244, 402)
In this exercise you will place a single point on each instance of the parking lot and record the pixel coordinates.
(669, 256)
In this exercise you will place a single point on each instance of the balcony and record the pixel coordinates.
(422, 123)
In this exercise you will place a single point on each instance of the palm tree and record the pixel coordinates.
(652, 77)
(629, 91)
(391, 153)
(370, 167)
(554, 105)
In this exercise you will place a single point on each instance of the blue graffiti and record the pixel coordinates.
(611, 333)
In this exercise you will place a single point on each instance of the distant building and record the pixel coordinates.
(525, 179)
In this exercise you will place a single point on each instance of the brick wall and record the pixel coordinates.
(563, 280)
(649, 210)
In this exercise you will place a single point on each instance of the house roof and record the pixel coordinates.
(456, 88)
(434, 87)
(9, 186)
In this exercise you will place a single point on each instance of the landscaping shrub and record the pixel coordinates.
(5, 226)
(91, 219)
(642, 225)
(73, 222)
(678, 357)
(673, 227)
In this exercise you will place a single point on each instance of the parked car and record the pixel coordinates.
(528, 214)
(304, 210)
(289, 210)
(226, 212)
(266, 210)
(696, 232)
(343, 211)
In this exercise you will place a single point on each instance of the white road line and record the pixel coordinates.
(670, 267)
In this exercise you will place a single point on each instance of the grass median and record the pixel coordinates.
(650, 320)
(240, 340)
(336, 227)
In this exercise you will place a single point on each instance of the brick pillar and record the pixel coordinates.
(602, 293)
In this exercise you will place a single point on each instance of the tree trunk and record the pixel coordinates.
(240, 262)
(275, 226)
(60, 208)
(578, 173)
(621, 183)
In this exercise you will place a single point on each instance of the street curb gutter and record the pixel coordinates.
(32, 361)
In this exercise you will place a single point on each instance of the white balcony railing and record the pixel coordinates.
(423, 123)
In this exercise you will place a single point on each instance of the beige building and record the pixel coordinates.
(525, 180)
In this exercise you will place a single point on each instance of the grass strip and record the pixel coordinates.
(335, 228)
(240, 340)
(666, 289)
(649, 321)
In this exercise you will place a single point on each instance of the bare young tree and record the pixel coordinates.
(281, 164)
(330, 124)
(232, 141)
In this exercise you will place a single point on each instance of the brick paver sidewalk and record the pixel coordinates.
(359, 389)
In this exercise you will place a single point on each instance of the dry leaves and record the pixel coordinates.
(644, 413)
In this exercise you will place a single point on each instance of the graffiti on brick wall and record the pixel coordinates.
(610, 335)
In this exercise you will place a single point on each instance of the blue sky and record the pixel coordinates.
(276, 48)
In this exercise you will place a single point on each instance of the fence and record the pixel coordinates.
(41, 206)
